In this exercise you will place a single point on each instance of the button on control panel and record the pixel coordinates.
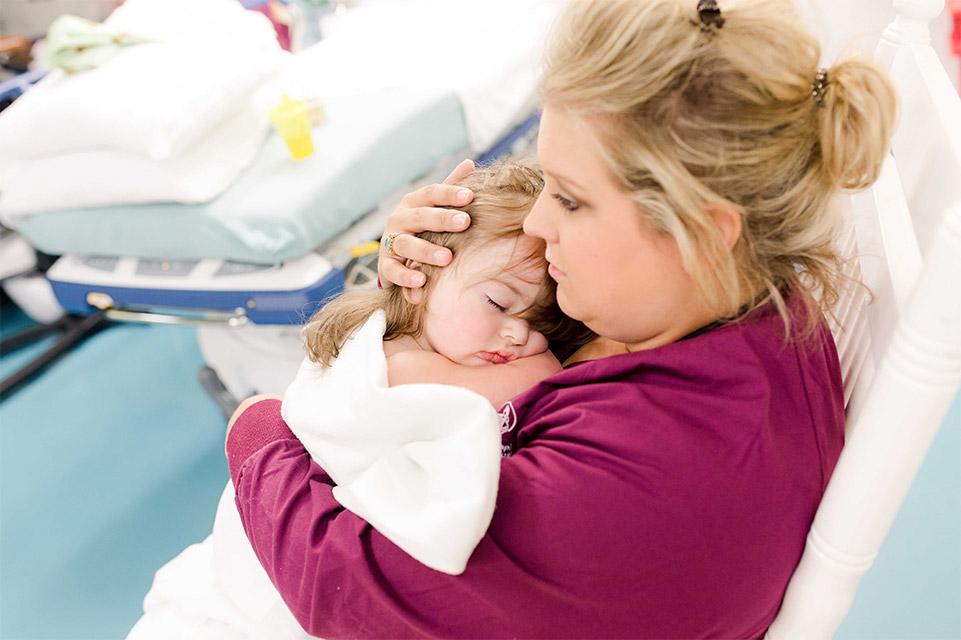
(172, 268)
(103, 263)
(239, 268)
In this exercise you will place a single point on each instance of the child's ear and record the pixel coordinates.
(413, 296)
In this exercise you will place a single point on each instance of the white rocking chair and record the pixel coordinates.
(900, 347)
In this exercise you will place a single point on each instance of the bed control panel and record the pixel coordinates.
(166, 268)
(284, 293)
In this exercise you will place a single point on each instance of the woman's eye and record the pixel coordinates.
(567, 204)
(495, 305)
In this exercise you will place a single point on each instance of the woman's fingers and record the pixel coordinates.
(421, 210)
(395, 269)
(435, 195)
(464, 169)
(406, 219)
(404, 245)
(411, 247)
(393, 272)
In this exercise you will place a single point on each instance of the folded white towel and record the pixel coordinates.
(105, 177)
(155, 99)
(419, 462)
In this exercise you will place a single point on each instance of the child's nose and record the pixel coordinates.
(516, 332)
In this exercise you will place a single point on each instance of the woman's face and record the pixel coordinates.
(614, 273)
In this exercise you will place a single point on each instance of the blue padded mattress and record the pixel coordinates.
(372, 144)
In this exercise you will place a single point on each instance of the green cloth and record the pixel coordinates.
(76, 44)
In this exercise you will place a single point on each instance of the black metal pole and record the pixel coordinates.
(74, 333)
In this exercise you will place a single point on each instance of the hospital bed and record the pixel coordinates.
(249, 266)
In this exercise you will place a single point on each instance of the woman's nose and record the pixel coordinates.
(538, 222)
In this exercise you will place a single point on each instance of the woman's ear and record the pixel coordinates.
(728, 221)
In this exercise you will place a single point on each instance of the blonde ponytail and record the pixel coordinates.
(856, 123)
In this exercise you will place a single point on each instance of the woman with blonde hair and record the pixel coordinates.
(663, 483)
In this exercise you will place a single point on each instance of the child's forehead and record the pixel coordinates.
(501, 257)
(521, 277)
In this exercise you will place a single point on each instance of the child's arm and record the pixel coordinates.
(498, 382)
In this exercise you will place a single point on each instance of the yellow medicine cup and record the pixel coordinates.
(291, 122)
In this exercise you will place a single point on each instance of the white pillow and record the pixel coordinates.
(154, 99)
(104, 177)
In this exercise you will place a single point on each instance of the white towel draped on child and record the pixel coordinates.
(419, 462)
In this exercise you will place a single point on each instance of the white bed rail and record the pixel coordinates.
(927, 144)
(907, 401)
(900, 348)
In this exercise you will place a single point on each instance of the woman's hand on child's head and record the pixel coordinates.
(420, 211)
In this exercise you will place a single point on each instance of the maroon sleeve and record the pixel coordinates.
(259, 425)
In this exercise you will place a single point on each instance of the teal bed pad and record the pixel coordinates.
(277, 209)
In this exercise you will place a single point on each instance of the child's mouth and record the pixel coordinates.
(497, 357)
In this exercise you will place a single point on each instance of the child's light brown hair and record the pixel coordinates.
(503, 196)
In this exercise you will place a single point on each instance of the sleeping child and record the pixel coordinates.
(374, 403)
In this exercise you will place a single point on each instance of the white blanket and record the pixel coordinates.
(177, 120)
(156, 99)
(420, 463)
(170, 120)
(488, 53)
(105, 177)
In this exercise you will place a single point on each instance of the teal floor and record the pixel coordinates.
(112, 462)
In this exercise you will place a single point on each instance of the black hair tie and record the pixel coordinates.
(710, 14)
(820, 86)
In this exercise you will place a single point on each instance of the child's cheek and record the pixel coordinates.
(536, 343)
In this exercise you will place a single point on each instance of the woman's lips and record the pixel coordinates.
(554, 271)
(497, 357)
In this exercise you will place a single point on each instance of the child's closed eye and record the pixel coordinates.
(495, 305)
